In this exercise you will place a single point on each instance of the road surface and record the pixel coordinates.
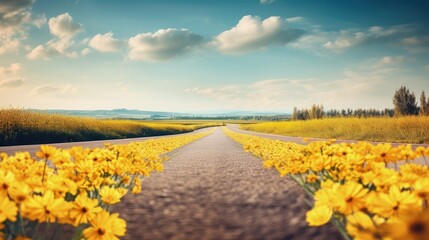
(212, 189)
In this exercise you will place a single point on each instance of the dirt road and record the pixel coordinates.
(212, 189)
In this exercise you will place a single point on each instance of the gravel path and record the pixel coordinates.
(212, 189)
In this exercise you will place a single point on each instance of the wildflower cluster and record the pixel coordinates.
(76, 187)
(369, 191)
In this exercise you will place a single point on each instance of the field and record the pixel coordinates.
(401, 129)
(18, 127)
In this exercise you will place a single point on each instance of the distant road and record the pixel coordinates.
(87, 144)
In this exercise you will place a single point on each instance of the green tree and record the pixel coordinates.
(424, 105)
(404, 102)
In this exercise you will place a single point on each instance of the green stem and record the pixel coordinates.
(44, 170)
(341, 229)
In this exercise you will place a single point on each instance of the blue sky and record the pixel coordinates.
(206, 55)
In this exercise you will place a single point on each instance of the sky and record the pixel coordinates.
(211, 55)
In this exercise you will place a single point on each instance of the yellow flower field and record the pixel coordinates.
(409, 129)
(76, 187)
(352, 186)
(25, 127)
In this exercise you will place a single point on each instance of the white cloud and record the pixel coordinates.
(49, 89)
(10, 77)
(427, 67)
(392, 60)
(266, 1)
(63, 29)
(14, 15)
(85, 51)
(62, 26)
(106, 43)
(358, 87)
(40, 21)
(295, 19)
(8, 45)
(253, 34)
(40, 52)
(162, 45)
(407, 36)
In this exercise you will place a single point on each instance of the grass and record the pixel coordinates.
(412, 129)
(18, 127)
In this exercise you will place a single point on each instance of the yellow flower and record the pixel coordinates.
(361, 226)
(411, 226)
(7, 179)
(8, 210)
(20, 192)
(46, 152)
(105, 227)
(319, 215)
(421, 188)
(45, 208)
(395, 203)
(110, 195)
(84, 209)
(311, 178)
(349, 198)
(137, 186)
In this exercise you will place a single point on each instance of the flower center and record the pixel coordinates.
(417, 228)
(101, 231)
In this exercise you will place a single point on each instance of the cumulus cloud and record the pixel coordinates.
(407, 36)
(10, 76)
(251, 33)
(14, 15)
(63, 29)
(163, 44)
(62, 26)
(49, 89)
(106, 43)
(14, 12)
(40, 52)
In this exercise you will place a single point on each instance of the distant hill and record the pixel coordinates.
(115, 113)
(139, 114)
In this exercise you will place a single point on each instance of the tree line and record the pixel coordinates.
(404, 103)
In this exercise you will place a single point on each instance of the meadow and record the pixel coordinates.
(18, 127)
(409, 129)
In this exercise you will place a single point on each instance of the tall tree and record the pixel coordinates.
(404, 102)
(424, 105)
